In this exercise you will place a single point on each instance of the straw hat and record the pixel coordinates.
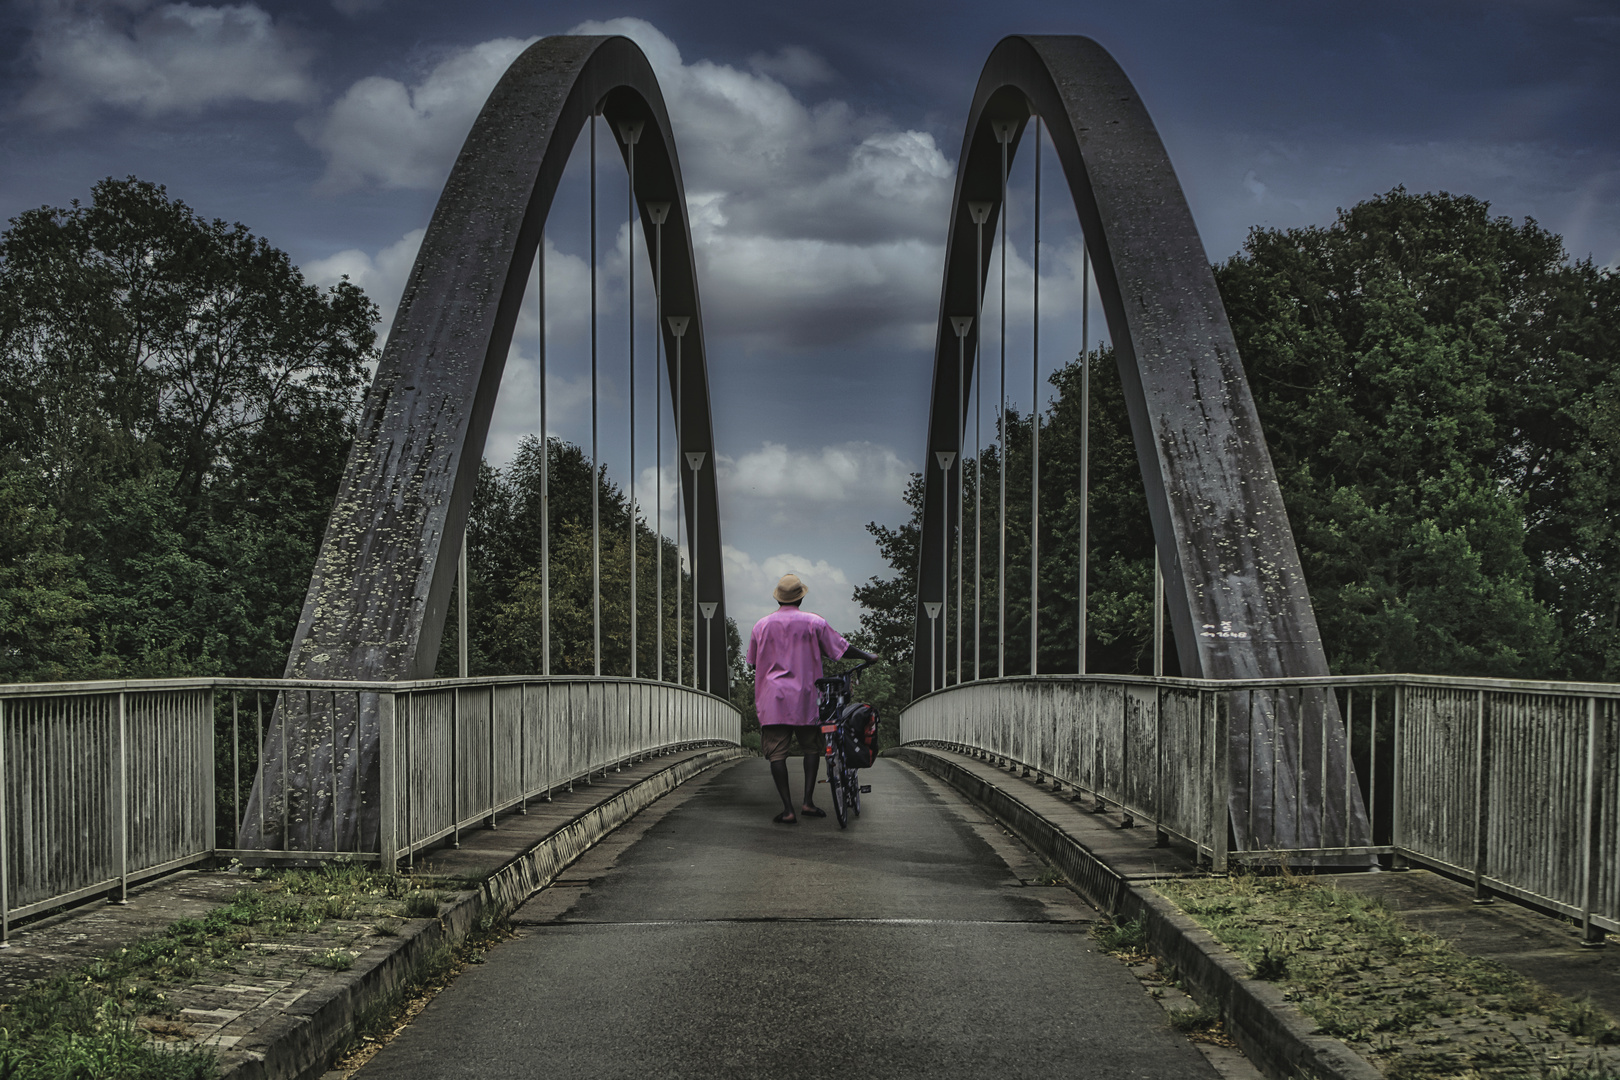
(789, 589)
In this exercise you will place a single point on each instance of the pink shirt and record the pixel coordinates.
(785, 651)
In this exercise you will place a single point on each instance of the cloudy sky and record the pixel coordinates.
(819, 145)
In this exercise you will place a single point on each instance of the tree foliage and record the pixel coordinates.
(176, 404)
(506, 599)
(1438, 387)
(1119, 611)
(1440, 391)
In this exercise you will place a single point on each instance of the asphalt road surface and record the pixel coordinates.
(703, 940)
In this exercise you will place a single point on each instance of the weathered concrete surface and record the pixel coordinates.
(916, 943)
(1545, 948)
(1234, 588)
(278, 1016)
(60, 943)
(1114, 868)
(382, 580)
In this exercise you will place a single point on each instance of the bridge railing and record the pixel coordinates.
(106, 784)
(1513, 786)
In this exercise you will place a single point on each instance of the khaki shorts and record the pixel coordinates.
(774, 740)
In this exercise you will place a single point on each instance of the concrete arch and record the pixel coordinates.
(1237, 597)
(377, 601)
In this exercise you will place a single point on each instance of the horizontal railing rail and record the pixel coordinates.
(1513, 785)
(104, 784)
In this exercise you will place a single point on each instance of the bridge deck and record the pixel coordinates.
(704, 940)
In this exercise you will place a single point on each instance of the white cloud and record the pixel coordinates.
(382, 275)
(159, 59)
(396, 136)
(854, 471)
(749, 582)
(796, 209)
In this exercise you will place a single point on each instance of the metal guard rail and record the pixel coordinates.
(1513, 785)
(105, 784)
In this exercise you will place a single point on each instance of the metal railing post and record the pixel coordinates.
(1593, 808)
(1397, 824)
(387, 780)
(410, 793)
(1220, 780)
(1160, 837)
(210, 800)
(5, 830)
(123, 800)
(1482, 895)
(236, 771)
(492, 799)
(455, 767)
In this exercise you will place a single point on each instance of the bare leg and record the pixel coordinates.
(812, 762)
(780, 775)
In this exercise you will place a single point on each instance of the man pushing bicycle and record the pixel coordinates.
(785, 651)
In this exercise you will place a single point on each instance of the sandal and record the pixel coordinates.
(813, 811)
(783, 819)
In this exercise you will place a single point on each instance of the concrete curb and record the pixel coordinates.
(1277, 1037)
(319, 1025)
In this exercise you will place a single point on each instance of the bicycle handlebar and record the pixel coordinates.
(833, 680)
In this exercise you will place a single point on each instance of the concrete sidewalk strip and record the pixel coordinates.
(276, 1014)
(1116, 869)
(1113, 867)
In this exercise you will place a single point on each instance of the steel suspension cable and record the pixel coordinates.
(1004, 136)
(545, 481)
(981, 212)
(1085, 439)
(657, 211)
(1035, 430)
(596, 468)
(696, 460)
(961, 481)
(677, 326)
(631, 133)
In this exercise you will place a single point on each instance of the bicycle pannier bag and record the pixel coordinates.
(857, 724)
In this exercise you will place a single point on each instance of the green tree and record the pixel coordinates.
(181, 401)
(1441, 397)
(42, 597)
(506, 598)
(1433, 382)
(1119, 610)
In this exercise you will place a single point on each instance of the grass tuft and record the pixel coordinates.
(336, 959)
(1419, 1007)
(422, 905)
(1128, 940)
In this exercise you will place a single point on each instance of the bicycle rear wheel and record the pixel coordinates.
(836, 787)
(853, 778)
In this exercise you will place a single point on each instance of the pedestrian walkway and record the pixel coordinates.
(270, 1008)
(919, 942)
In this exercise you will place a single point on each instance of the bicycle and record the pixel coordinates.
(836, 693)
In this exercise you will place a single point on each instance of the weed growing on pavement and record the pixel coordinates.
(1420, 1008)
(116, 1015)
(71, 1027)
(1128, 941)
(389, 1016)
(1202, 1024)
(422, 905)
(336, 959)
